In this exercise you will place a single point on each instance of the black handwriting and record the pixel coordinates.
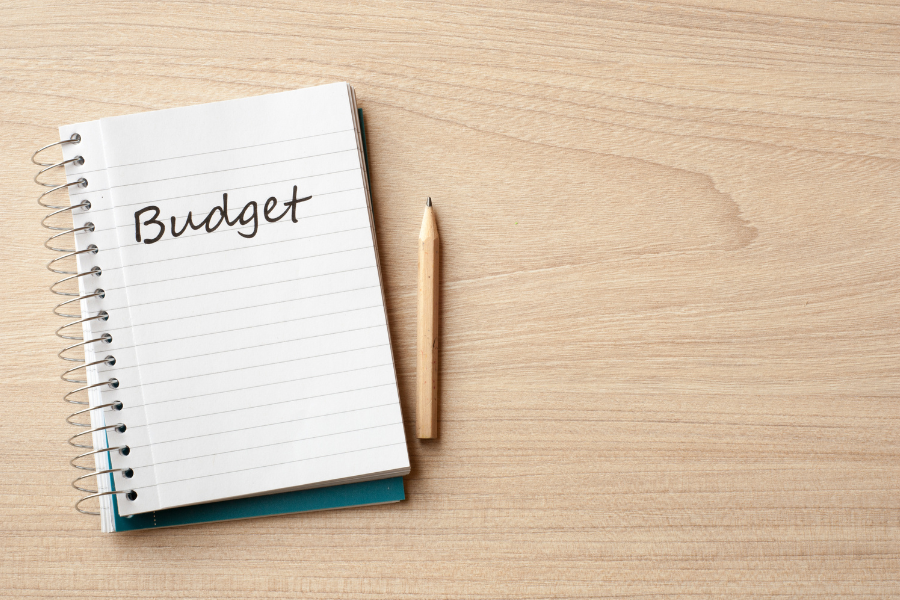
(216, 217)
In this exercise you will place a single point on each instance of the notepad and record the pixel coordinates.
(242, 345)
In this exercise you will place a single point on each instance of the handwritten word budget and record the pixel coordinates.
(218, 215)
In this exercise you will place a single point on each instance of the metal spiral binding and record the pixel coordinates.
(79, 440)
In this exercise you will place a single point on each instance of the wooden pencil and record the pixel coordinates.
(428, 301)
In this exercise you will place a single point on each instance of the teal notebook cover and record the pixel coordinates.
(324, 498)
(337, 496)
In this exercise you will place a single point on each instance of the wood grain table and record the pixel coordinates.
(671, 294)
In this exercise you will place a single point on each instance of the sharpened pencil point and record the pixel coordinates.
(428, 201)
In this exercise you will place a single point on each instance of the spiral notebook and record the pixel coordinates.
(236, 354)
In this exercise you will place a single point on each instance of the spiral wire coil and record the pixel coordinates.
(82, 439)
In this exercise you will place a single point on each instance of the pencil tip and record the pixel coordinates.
(428, 201)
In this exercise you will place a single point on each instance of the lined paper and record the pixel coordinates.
(253, 364)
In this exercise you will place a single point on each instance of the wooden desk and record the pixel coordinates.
(671, 344)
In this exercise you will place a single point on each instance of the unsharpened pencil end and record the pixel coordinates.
(428, 201)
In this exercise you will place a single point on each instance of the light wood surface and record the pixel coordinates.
(428, 327)
(670, 339)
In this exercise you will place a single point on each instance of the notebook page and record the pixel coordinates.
(259, 333)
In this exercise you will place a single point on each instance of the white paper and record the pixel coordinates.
(247, 365)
